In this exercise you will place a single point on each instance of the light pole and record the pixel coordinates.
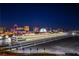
(30, 50)
(44, 50)
(23, 49)
(37, 50)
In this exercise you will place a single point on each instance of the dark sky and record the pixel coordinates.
(43, 15)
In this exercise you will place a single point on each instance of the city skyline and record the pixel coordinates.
(39, 29)
(42, 15)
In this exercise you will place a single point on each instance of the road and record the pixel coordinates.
(58, 43)
(39, 39)
(67, 45)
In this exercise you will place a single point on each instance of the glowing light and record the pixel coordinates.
(43, 30)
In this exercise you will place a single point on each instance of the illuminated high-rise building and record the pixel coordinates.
(2, 29)
(15, 26)
(36, 29)
(26, 28)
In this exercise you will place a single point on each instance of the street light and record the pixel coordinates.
(30, 50)
(44, 50)
(37, 50)
(73, 33)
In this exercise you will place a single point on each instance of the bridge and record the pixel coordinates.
(33, 40)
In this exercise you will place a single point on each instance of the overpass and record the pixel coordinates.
(39, 39)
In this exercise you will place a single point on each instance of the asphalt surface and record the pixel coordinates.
(35, 42)
(67, 45)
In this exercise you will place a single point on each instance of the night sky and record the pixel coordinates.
(42, 15)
